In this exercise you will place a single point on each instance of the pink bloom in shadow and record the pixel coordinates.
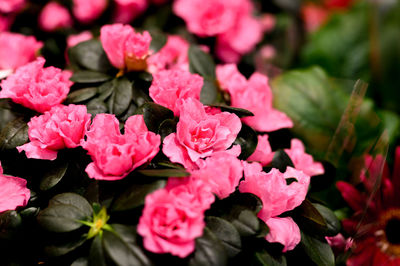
(263, 153)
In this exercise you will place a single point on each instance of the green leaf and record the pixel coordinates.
(9, 221)
(61, 218)
(89, 55)
(247, 139)
(14, 134)
(81, 95)
(106, 89)
(226, 233)
(237, 111)
(332, 222)
(245, 221)
(265, 259)
(209, 251)
(281, 160)
(201, 63)
(318, 250)
(209, 92)
(164, 172)
(80, 262)
(54, 175)
(167, 127)
(96, 254)
(74, 200)
(96, 106)
(121, 97)
(154, 114)
(120, 246)
(64, 248)
(135, 195)
(86, 76)
(158, 40)
(309, 218)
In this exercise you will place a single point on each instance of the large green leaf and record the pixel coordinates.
(247, 139)
(121, 97)
(332, 222)
(54, 175)
(14, 134)
(318, 250)
(209, 92)
(64, 248)
(96, 254)
(164, 172)
(263, 258)
(89, 55)
(86, 76)
(81, 95)
(154, 114)
(72, 199)
(201, 63)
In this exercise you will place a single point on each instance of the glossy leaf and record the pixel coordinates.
(86, 76)
(332, 222)
(244, 220)
(247, 139)
(237, 111)
(96, 106)
(318, 250)
(81, 95)
(164, 172)
(72, 199)
(281, 160)
(209, 92)
(61, 218)
(154, 114)
(89, 55)
(96, 254)
(201, 63)
(53, 176)
(121, 97)
(265, 259)
(64, 248)
(158, 40)
(14, 134)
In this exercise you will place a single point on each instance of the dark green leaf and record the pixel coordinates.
(158, 40)
(248, 201)
(244, 220)
(209, 92)
(247, 139)
(74, 200)
(201, 63)
(164, 172)
(265, 259)
(106, 89)
(120, 245)
(309, 217)
(96, 255)
(154, 114)
(61, 218)
(80, 262)
(171, 165)
(237, 111)
(96, 106)
(64, 248)
(135, 195)
(9, 219)
(81, 95)
(209, 251)
(54, 175)
(121, 97)
(89, 55)
(226, 233)
(332, 222)
(281, 160)
(86, 76)
(14, 134)
(318, 250)
(167, 127)
(29, 212)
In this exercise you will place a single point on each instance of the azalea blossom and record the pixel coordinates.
(87, 11)
(127, 10)
(263, 153)
(8, 6)
(54, 16)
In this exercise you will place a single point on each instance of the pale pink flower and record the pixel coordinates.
(263, 153)
(173, 55)
(17, 50)
(61, 127)
(54, 16)
(87, 11)
(200, 134)
(222, 172)
(115, 155)
(125, 48)
(13, 192)
(8, 6)
(254, 95)
(168, 226)
(277, 197)
(127, 10)
(284, 231)
(36, 87)
(303, 161)
(170, 87)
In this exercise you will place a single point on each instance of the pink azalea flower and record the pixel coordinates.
(13, 192)
(170, 87)
(222, 172)
(173, 55)
(36, 87)
(5, 22)
(115, 155)
(200, 134)
(263, 153)
(303, 161)
(127, 10)
(254, 95)
(87, 11)
(75, 39)
(61, 127)
(8, 6)
(54, 16)
(277, 197)
(169, 223)
(125, 48)
(17, 50)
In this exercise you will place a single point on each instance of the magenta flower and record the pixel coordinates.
(54, 16)
(263, 153)
(200, 134)
(87, 11)
(303, 161)
(277, 197)
(75, 39)
(254, 95)
(61, 127)
(36, 87)
(8, 6)
(127, 10)
(125, 48)
(115, 155)
(170, 87)
(13, 192)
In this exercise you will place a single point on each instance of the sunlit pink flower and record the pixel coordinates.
(168, 226)
(263, 153)
(303, 161)
(200, 134)
(127, 10)
(87, 11)
(17, 50)
(170, 87)
(115, 155)
(13, 192)
(61, 127)
(36, 87)
(277, 197)
(173, 55)
(8, 6)
(125, 48)
(54, 16)
(254, 95)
